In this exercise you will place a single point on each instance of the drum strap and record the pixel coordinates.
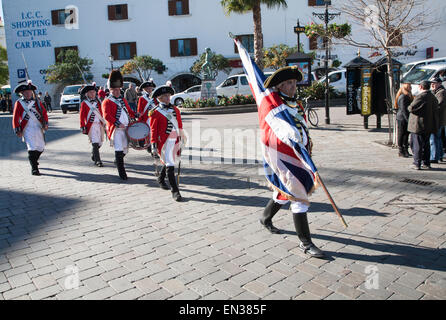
(94, 110)
(149, 103)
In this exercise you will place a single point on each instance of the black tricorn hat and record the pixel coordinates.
(162, 90)
(146, 84)
(88, 87)
(115, 79)
(283, 74)
(25, 86)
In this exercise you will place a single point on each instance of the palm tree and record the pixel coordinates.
(243, 6)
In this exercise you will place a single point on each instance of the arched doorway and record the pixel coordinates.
(184, 81)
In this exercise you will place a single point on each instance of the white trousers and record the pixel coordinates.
(33, 136)
(296, 206)
(120, 142)
(169, 156)
(96, 133)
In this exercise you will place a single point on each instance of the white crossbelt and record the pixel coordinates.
(26, 107)
(169, 117)
(94, 110)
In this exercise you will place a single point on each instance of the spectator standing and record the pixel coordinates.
(403, 99)
(436, 142)
(423, 120)
(131, 96)
(3, 104)
(47, 100)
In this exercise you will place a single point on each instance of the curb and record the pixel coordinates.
(220, 110)
(252, 107)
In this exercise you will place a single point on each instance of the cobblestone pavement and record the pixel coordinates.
(130, 240)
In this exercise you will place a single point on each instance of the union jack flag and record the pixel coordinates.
(287, 163)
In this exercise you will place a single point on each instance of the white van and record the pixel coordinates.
(236, 84)
(405, 69)
(428, 72)
(337, 79)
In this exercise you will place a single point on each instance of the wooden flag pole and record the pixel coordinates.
(331, 200)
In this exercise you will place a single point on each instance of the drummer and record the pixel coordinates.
(167, 137)
(91, 121)
(117, 114)
(146, 103)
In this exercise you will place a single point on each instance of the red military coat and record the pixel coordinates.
(20, 118)
(142, 103)
(83, 114)
(158, 127)
(109, 110)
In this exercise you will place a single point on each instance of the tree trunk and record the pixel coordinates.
(258, 35)
(392, 123)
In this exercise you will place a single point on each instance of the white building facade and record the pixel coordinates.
(174, 31)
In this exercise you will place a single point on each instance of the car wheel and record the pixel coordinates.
(178, 101)
(64, 111)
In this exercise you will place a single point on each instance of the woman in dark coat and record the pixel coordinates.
(403, 99)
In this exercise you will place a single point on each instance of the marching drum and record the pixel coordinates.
(138, 134)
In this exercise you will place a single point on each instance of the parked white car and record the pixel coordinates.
(337, 79)
(191, 93)
(405, 69)
(428, 72)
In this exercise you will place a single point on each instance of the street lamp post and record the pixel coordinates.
(326, 17)
(110, 57)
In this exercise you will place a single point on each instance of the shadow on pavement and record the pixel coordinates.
(11, 144)
(393, 253)
(357, 212)
(250, 201)
(23, 214)
(98, 178)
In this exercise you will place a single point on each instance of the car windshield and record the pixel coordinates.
(405, 68)
(417, 75)
(71, 90)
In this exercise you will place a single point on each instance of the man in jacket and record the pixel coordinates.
(437, 152)
(131, 96)
(423, 120)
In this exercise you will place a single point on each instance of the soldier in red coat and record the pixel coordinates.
(146, 103)
(91, 121)
(167, 137)
(117, 114)
(30, 121)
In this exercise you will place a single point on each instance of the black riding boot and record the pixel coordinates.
(33, 156)
(303, 232)
(173, 184)
(96, 155)
(162, 178)
(270, 210)
(119, 156)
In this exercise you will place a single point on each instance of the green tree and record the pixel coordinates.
(4, 72)
(218, 63)
(143, 66)
(274, 57)
(243, 6)
(68, 70)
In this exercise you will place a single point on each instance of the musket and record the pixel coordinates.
(36, 98)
